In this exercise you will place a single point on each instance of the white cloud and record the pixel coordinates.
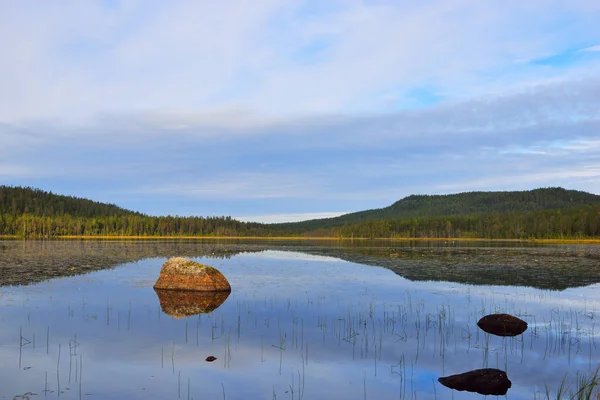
(591, 48)
(242, 185)
(269, 102)
(528, 180)
(544, 135)
(72, 63)
(9, 170)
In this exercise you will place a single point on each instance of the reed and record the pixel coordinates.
(587, 387)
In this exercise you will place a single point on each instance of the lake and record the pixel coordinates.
(304, 320)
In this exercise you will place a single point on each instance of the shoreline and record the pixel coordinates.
(308, 238)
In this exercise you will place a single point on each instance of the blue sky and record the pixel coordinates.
(285, 110)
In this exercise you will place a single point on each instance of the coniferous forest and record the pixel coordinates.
(550, 213)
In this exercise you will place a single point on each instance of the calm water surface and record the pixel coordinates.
(304, 321)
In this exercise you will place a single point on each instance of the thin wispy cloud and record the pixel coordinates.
(8, 171)
(296, 108)
(243, 185)
(592, 48)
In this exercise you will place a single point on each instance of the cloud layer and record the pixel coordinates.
(297, 107)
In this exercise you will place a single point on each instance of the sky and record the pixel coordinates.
(276, 111)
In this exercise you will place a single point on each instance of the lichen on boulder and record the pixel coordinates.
(182, 274)
(502, 325)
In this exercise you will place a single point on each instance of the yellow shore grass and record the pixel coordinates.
(317, 238)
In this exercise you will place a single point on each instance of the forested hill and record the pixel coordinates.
(27, 212)
(467, 203)
(25, 200)
(542, 213)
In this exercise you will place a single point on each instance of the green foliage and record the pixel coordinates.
(30, 225)
(481, 203)
(31, 212)
(541, 213)
(587, 388)
(582, 222)
(26, 200)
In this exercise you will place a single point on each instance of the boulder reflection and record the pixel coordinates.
(185, 303)
(487, 381)
(502, 325)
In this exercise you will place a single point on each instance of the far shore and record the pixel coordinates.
(307, 238)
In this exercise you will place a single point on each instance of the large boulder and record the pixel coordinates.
(487, 381)
(185, 303)
(182, 274)
(502, 325)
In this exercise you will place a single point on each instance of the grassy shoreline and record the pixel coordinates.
(307, 238)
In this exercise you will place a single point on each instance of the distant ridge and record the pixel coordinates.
(23, 200)
(465, 203)
(548, 213)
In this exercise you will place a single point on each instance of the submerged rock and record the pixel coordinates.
(502, 325)
(182, 274)
(487, 381)
(185, 303)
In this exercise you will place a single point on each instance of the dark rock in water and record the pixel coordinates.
(182, 274)
(502, 325)
(487, 381)
(211, 358)
(184, 303)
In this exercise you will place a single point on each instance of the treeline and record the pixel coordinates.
(575, 223)
(30, 225)
(27, 212)
(549, 224)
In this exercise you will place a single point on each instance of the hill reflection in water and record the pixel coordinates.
(298, 318)
(553, 267)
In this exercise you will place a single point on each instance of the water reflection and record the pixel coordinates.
(555, 267)
(486, 381)
(321, 328)
(502, 325)
(185, 303)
